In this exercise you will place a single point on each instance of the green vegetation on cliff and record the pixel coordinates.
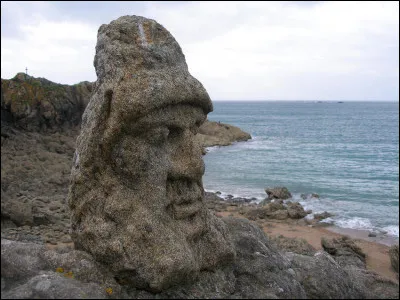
(37, 104)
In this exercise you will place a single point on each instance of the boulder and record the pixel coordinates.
(345, 251)
(295, 210)
(32, 271)
(136, 193)
(50, 285)
(296, 245)
(322, 277)
(278, 193)
(21, 260)
(261, 271)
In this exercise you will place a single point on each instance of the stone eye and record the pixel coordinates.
(157, 135)
(174, 132)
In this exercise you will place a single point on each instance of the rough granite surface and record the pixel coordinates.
(136, 193)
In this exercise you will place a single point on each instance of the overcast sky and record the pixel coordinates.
(238, 50)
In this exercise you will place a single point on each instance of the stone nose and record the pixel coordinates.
(185, 156)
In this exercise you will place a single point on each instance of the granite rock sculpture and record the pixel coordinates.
(136, 193)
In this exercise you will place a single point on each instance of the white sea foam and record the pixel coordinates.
(355, 223)
(212, 148)
(392, 230)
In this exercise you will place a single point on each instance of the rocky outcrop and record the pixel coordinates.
(278, 193)
(136, 193)
(345, 251)
(394, 257)
(349, 256)
(32, 271)
(259, 271)
(323, 278)
(37, 104)
(275, 210)
(219, 134)
(296, 245)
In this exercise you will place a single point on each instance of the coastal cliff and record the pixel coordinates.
(40, 105)
(37, 104)
(220, 134)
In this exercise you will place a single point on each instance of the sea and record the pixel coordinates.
(346, 152)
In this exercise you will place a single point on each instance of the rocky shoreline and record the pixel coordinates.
(59, 254)
(130, 219)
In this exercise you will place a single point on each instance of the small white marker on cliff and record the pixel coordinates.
(142, 35)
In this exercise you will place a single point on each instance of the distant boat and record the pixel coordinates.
(340, 102)
(319, 101)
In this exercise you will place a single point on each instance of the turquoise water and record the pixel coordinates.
(348, 153)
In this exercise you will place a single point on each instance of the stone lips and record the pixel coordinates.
(136, 192)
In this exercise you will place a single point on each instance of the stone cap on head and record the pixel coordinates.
(141, 68)
(135, 43)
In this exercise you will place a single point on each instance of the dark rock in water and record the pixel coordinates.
(371, 234)
(308, 196)
(322, 216)
(278, 193)
(394, 257)
(136, 191)
(219, 134)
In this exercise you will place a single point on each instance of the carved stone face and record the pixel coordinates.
(158, 154)
(136, 193)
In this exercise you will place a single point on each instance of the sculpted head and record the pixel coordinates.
(136, 193)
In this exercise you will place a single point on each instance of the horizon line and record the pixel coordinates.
(299, 100)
